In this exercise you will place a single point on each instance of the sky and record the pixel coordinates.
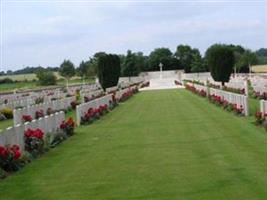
(45, 33)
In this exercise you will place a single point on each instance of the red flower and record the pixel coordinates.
(38, 133)
(258, 114)
(3, 151)
(27, 118)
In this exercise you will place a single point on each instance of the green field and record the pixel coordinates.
(168, 144)
(29, 77)
(22, 85)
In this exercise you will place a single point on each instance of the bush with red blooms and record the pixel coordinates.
(126, 95)
(74, 104)
(68, 126)
(145, 84)
(218, 100)
(34, 141)
(9, 158)
(86, 99)
(103, 109)
(237, 110)
(259, 118)
(49, 111)
(26, 118)
(259, 95)
(201, 93)
(176, 82)
(39, 114)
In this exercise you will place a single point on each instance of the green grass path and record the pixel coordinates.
(167, 144)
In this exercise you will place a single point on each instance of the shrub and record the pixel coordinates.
(7, 112)
(57, 138)
(46, 77)
(6, 80)
(34, 142)
(9, 158)
(49, 111)
(39, 114)
(68, 126)
(74, 104)
(108, 70)
(259, 118)
(26, 118)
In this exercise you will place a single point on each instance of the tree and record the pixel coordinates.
(220, 60)
(164, 56)
(46, 77)
(108, 70)
(197, 64)
(141, 61)
(67, 70)
(261, 55)
(247, 59)
(82, 69)
(186, 55)
(130, 66)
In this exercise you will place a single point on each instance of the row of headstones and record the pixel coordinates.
(55, 105)
(24, 101)
(111, 89)
(119, 93)
(234, 98)
(83, 108)
(83, 88)
(240, 100)
(90, 94)
(20, 99)
(235, 82)
(263, 107)
(18, 103)
(49, 124)
(259, 84)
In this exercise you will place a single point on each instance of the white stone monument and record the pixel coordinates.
(160, 67)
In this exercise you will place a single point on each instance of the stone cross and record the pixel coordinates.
(160, 67)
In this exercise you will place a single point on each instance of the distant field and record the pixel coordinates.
(30, 77)
(34, 85)
(259, 68)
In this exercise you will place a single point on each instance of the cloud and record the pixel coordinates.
(47, 33)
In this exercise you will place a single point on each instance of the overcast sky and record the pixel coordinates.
(45, 33)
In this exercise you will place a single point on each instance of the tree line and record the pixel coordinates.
(184, 58)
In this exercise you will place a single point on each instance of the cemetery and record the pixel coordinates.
(130, 139)
(118, 100)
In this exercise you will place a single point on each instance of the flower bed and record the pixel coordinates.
(261, 119)
(259, 95)
(176, 82)
(93, 114)
(219, 101)
(129, 93)
(145, 84)
(193, 89)
(39, 114)
(9, 158)
(68, 126)
(26, 118)
(34, 141)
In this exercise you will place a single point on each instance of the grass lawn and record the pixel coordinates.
(35, 85)
(6, 123)
(167, 144)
